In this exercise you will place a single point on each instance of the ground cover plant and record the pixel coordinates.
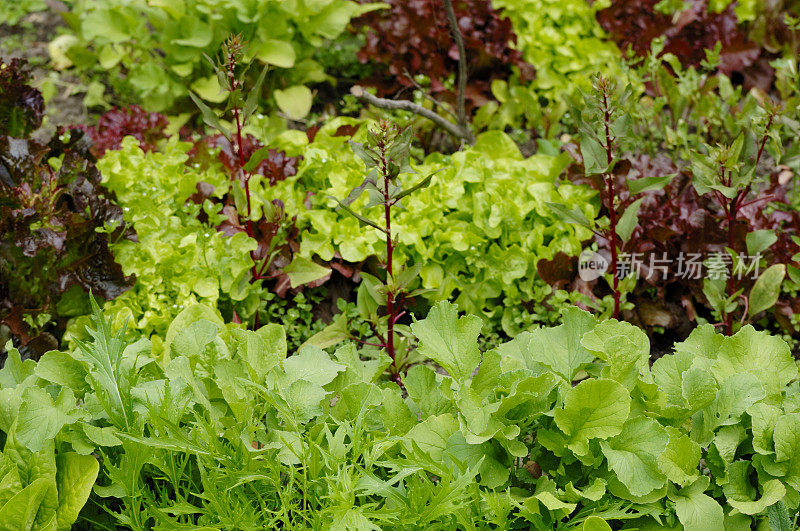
(446, 264)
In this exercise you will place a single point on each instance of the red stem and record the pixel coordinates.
(612, 213)
(256, 274)
(387, 210)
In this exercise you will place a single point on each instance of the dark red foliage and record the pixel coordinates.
(676, 222)
(147, 127)
(21, 106)
(413, 37)
(48, 240)
(276, 166)
(51, 205)
(636, 23)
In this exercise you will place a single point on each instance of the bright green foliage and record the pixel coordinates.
(159, 45)
(562, 39)
(478, 229)
(43, 485)
(177, 260)
(12, 12)
(227, 418)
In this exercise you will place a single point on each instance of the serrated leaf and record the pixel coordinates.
(593, 409)
(450, 340)
(41, 418)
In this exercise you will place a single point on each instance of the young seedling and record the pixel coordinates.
(386, 155)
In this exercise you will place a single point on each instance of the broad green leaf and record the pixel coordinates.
(766, 290)
(432, 434)
(21, 510)
(633, 455)
(15, 371)
(187, 316)
(735, 396)
(787, 447)
(779, 519)
(593, 409)
(312, 364)
(681, 458)
(208, 88)
(450, 340)
(192, 340)
(276, 52)
(41, 418)
(759, 241)
(763, 419)
(560, 348)
(101, 436)
(595, 158)
(695, 510)
(741, 495)
(75, 478)
(304, 399)
(304, 271)
(333, 334)
(274, 336)
(624, 348)
(62, 369)
(595, 523)
(261, 350)
(628, 220)
(294, 101)
(758, 353)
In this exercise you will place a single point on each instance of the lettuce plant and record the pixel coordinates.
(56, 222)
(153, 52)
(407, 39)
(478, 229)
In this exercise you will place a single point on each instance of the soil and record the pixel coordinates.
(29, 39)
